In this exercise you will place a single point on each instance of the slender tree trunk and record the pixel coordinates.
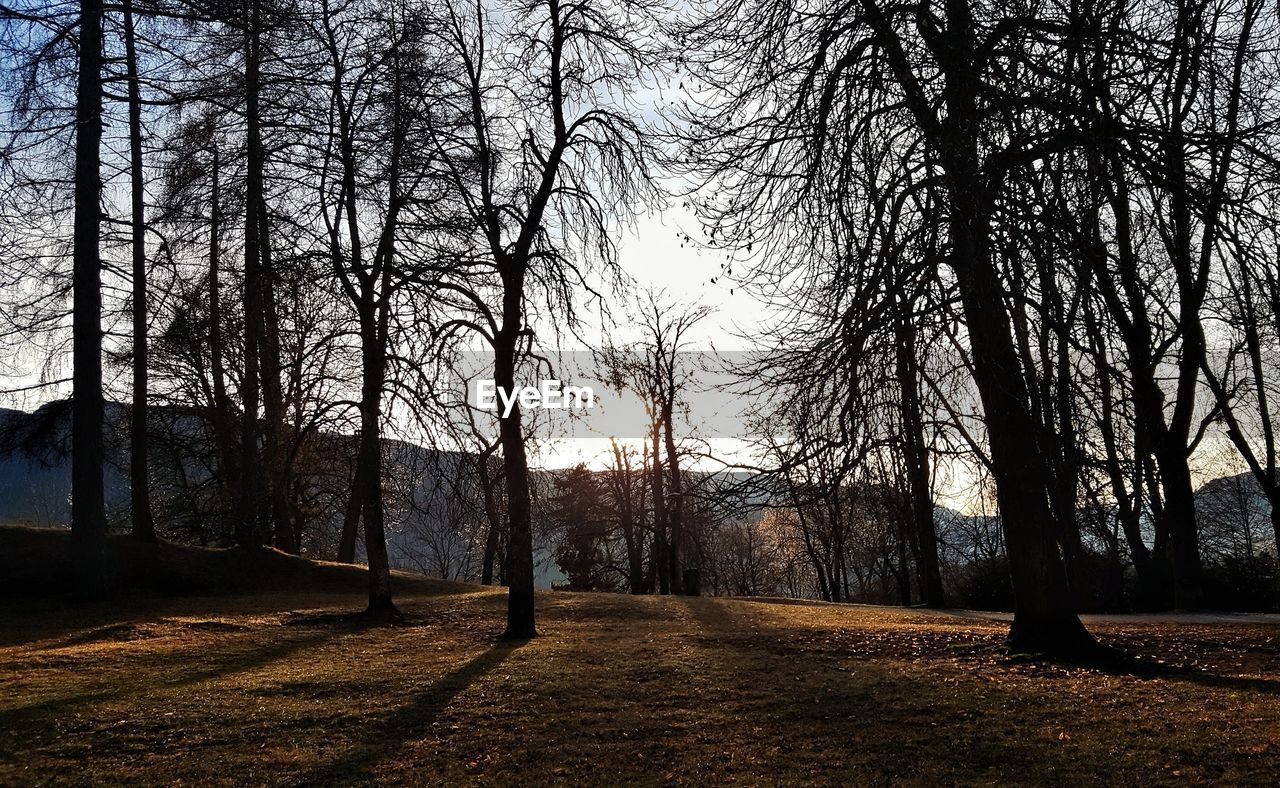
(355, 505)
(88, 507)
(521, 623)
(661, 545)
(375, 541)
(274, 422)
(903, 573)
(622, 489)
(1151, 430)
(824, 588)
(143, 525)
(1274, 500)
(916, 451)
(635, 563)
(494, 519)
(250, 494)
(223, 419)
(676, 508)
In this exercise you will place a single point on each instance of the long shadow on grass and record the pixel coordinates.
(409, 722)
(231, 661)
(1119, 663)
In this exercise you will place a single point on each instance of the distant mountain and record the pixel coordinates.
(35, 466)
(1233, 500)
(35, 479)
(35, 487)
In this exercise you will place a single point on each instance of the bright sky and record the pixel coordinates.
(653, 254)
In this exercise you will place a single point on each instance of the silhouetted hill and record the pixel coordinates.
(37, 562)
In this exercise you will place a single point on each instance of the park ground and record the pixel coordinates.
(281, 687)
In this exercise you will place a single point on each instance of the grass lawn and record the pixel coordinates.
(268, 689)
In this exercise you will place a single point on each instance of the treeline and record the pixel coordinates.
(1067, 208)
(283, 221)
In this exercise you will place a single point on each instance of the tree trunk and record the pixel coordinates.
(676, 508)
(521, 622)
(355, 505)
(903, 571)
(247, 532)
(622, 489)
(274, 421)
(1180, 521)
(1174, 448)
(1044, 616)
(88, 509)
(370, 461)
(494, 518)
(661, 545)
(223, 419)
(143, 525)
(916, 451)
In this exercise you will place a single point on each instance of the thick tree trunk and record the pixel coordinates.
(521, 622)
(1180, 521)
(143, 525)
(88, 510)
(1044, 616)
(1173, 449)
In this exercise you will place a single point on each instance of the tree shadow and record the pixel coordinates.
(718, 620)
(233, 662)
(1116, 662)
(409, 722)
(353, 620)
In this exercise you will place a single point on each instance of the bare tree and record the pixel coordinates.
(143, 524)
(88, 514)
(547, 169)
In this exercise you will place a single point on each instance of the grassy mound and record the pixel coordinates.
(36, 562)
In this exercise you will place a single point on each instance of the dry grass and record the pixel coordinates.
(250, 690)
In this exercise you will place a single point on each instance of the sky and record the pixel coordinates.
(655, 254)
